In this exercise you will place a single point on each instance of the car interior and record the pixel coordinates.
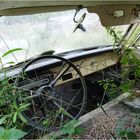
(60, 82)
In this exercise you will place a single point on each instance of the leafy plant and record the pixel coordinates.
(123, 131)
(129, 76)
(70, 128)
(11, 118)
(110, 87)
(12, 133)
(69, 131)
(115, 34)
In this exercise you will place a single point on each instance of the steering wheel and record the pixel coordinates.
(50, 105)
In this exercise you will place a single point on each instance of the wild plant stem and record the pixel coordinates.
(8, 47)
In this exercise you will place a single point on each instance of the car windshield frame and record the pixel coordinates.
(56, 22)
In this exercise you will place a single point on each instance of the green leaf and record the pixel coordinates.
(46, 122)
(120, 131)
(79, 130)
(24, 106)
(63, 111)
(137, 72)
(64, 131)
(68, 130)
(15, 117)
(3, 119)
(1, 131)
(10, 63)
(71, 123)
(131, 135)
(13, 134)
(71, 131)
(22, 117)
(123, 133)
(69, 127)
(11, 51)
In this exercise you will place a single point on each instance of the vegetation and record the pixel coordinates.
(129, 82)
(11, 119)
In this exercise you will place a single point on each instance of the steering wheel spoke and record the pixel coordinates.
(59, 75)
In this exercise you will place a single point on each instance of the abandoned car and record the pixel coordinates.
(55, 54)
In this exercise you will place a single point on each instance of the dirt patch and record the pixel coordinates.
(102, 126)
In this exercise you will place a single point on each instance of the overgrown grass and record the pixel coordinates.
(11, 119)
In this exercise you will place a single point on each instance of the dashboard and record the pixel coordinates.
(44, 71)
(88, 66)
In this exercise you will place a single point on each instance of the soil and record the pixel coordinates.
(102, 126)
